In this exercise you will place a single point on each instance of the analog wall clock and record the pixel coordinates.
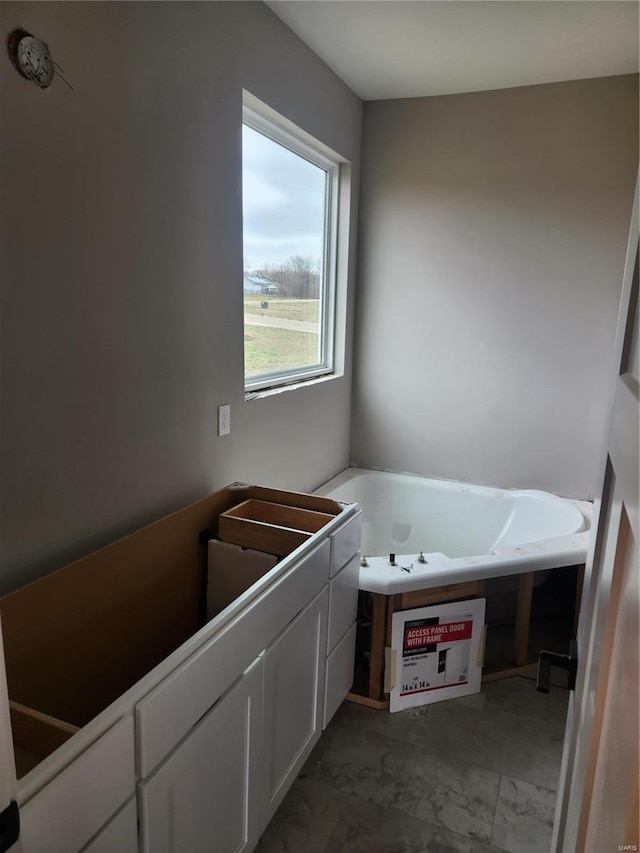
(31, 57)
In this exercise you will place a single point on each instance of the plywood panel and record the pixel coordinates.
(78, 638)
(35, 736)
(436, 594)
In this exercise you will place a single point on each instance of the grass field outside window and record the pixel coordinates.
(268, 348)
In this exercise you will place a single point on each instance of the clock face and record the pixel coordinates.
(34, 61)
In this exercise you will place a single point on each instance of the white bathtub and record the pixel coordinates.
(465, 532)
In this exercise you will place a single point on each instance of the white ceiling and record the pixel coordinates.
(400, 49)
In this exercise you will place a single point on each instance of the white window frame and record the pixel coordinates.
(263, 119)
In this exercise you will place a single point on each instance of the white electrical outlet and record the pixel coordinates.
(224, 420)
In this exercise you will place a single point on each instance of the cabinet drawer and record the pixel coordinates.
(345, 542)
(343, 601)
(73, 806)
(120, 834)
(166, 714)
(339, 674)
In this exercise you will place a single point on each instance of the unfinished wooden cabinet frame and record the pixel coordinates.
(35, 735)
(384, 606)
(270, 527)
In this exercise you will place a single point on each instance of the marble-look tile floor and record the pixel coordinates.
(471, 775)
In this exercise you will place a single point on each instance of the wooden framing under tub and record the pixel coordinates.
(384, 606)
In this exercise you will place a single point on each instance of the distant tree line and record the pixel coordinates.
(298, 277)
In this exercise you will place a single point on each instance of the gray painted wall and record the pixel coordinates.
(121, 271)
(493, 230)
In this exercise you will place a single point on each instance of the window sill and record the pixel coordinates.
(293, 386)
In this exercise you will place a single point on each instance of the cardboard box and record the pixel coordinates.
(437, 653)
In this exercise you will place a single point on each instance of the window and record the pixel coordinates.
(290, 204)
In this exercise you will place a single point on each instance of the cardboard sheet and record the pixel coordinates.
(230, 571)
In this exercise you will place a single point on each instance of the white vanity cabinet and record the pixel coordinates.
(214, 781)
(167, 713)
(167, 732)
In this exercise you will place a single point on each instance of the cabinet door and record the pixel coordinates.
(202, 799)
(294, 673)
(121, 833)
